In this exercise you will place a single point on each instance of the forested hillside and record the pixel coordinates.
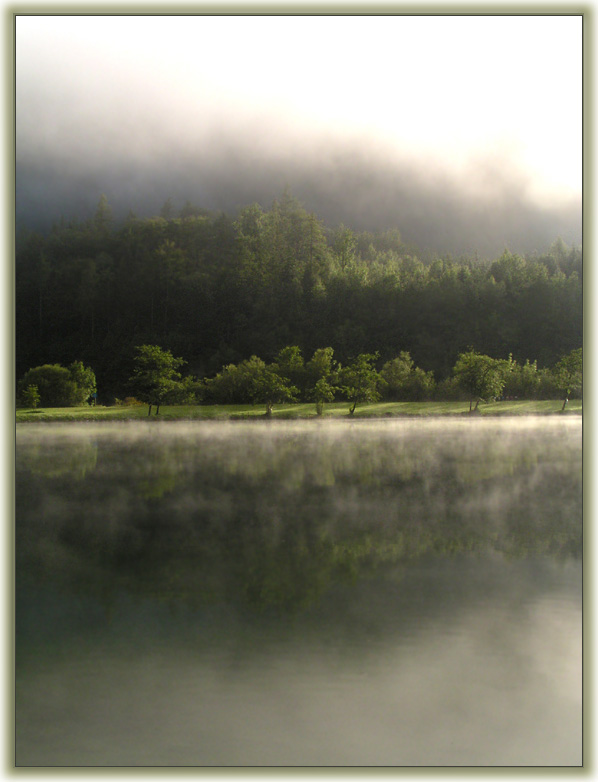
(217, 289)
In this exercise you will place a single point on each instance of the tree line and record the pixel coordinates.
(219, 289)
(156, 380)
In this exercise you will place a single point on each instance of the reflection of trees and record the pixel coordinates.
(73, 458)
(157, 473)
(273, 522)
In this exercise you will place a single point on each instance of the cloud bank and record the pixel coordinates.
(417, 123)
(484, 205)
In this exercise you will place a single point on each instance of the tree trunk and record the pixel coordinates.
(352, 410)
(564, 404)
(149, 412)
(158, 408)
(268, 409)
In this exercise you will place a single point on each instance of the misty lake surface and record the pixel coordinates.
(348, 593)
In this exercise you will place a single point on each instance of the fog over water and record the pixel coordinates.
(328, 593)
(418, 123)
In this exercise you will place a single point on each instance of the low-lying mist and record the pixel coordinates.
(483, 205)
(274, 513)
(279, 593)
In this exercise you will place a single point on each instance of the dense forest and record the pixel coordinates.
(218, 289)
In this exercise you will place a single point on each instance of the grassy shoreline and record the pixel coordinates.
(337, 410)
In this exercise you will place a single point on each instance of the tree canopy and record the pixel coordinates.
(219, 289)
(52, 385)
(568, 373)
(481, 376)
(359, 380)
(252, 381)
(156, 379)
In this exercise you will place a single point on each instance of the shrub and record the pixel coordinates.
(85, 381)
(128, 401)
(251, 381)
(59, 386)
(402, 381)
(30, 396)
(54, 383)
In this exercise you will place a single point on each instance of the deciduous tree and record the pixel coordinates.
(156, 378)
(359, 380)
(322, 392)
(319, 372)
(481, 376)
(568, 373)
(289, 363)
(251, 381)
(401, 380)
(85, 380)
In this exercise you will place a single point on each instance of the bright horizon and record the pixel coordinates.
(453, 87)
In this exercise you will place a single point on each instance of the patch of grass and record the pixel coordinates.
(294, 411)
(527, 407)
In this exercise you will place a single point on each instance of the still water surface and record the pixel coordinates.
(299, 593)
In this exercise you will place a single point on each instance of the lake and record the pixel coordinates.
(347, 593)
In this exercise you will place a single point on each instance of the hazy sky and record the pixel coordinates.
(411, 117)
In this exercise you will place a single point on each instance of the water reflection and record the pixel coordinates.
(328, 593)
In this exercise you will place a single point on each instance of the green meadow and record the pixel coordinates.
(296, 411)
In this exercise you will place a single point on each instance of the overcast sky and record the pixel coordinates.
(435, 123)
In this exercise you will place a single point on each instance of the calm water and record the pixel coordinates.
(310, 593)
